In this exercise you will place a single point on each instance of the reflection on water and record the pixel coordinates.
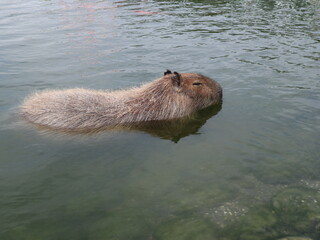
(175, 130)
(249, 172)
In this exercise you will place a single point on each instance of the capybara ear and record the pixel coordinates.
(167, 72)
(176, 79)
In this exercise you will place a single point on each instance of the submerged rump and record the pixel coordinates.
(74, 108)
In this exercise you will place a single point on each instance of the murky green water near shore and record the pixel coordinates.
(250, 172)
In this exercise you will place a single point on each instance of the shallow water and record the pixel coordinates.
(249, 172)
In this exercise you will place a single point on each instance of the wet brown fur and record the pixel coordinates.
(170, 97)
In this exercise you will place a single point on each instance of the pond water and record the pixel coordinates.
(250, 172)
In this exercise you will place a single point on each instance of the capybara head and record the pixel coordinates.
(201, 89)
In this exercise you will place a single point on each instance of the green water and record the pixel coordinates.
(247, 171)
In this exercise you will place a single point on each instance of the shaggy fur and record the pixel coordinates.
(170, 97)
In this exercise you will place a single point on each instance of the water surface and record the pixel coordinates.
(249, 172)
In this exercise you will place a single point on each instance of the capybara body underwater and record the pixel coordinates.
(170, 97)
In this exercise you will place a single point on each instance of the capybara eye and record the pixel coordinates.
(197, 83)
